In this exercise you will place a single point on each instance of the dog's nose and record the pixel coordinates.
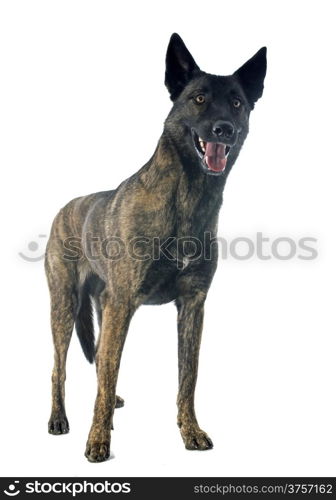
(223, 129)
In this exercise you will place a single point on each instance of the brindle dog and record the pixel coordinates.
(173, 198)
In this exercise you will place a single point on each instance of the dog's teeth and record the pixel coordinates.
(202, 144)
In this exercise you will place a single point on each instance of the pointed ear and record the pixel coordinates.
(180, 66)
(251, 76)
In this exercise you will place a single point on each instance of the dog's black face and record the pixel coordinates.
(211, 113)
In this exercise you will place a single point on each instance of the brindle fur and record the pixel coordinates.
(169, 196)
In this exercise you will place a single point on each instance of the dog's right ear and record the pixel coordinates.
(180, 66)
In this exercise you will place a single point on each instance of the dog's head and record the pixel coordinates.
(210, 115)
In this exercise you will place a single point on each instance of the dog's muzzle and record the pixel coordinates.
(213, 155)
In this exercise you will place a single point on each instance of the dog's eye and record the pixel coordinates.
(200, 99)
(236, 103)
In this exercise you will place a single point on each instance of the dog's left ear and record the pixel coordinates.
(180, 66)
(252, 74)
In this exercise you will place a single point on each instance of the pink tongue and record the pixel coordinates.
(215, 156)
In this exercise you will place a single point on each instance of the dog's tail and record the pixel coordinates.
(84, 322)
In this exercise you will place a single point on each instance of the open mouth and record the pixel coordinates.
(213, 155)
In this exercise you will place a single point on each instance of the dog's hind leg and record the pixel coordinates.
(115, 321)
(190, 322)
(63, 307)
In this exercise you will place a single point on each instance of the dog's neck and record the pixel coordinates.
(175, 173)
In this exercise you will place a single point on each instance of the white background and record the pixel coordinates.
(82, 107)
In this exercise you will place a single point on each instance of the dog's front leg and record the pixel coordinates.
(190, 323)
(115, 321)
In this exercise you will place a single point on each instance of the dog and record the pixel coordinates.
(172, 201)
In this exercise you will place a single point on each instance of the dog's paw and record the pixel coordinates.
(119, 402)
(58, 424)
(97, 451)
(196, 439)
